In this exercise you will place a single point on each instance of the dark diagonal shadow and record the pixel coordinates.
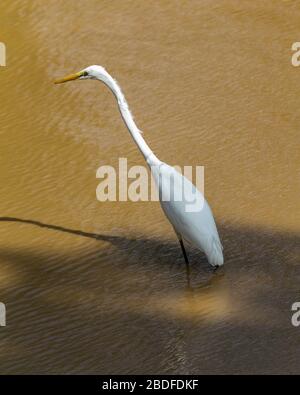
(152, 251)
(60, 228)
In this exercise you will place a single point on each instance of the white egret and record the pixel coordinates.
(196, 227)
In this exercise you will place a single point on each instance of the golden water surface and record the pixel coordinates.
(93, 287)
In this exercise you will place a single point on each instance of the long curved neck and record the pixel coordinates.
(128, 119)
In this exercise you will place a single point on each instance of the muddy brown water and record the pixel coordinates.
(94, 287)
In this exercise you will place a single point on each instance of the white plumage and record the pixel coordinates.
(197, 227)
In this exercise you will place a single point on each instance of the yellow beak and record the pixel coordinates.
(69, 77)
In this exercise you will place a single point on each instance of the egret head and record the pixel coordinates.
(91, 72)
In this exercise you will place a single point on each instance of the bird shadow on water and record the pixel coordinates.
(140, 245)
(276, 250)
(110, 307)
(253, 251)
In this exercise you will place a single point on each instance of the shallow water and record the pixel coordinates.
(94, 287)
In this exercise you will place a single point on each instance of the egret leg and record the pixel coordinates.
(187, 264)
(183, 251)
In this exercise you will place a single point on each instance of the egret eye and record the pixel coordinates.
(85, 73)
